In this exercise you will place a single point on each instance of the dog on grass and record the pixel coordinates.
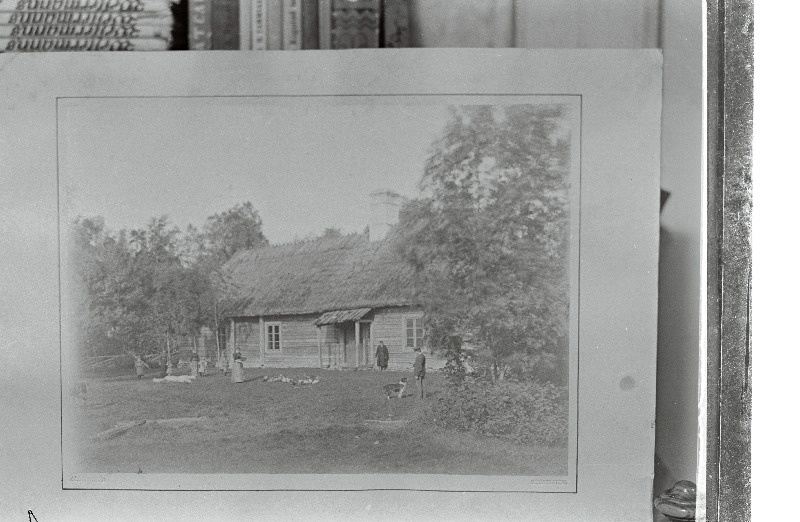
(396, 388)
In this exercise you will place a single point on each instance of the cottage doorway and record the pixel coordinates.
(349, 348)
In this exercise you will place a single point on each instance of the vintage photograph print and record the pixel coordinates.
(320, 292)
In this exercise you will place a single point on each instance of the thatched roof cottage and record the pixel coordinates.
(325, 303)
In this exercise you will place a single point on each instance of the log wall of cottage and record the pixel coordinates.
(298, 341)
(389, 326)
(301, 341)
(299, 347)
(246, 339)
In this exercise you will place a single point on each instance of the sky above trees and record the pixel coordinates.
(306, 164)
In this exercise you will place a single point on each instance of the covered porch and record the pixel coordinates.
(344, 338)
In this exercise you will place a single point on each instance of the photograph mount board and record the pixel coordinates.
(619, 92)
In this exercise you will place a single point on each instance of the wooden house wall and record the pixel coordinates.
(300, 348)
(389, 326)
(298, 342)
(246, 340)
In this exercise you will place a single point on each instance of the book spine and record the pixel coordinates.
(324, 24)
(310, 10)
(274, 25)
(36, 44)
(86, 31)
(82, 17)
(292, 25)
(259, 25)
(200, 25)
(225, 25)
(355, 24)
(396, 24)
(467, 23)
(125, 6)
(245, 25)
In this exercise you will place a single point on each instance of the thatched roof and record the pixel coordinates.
(318, 276)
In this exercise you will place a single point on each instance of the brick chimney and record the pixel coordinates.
(384, 209)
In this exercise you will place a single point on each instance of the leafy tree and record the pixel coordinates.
(489, 241)
(226, 233)
(139, 291)
(332, 233)
(93, 258)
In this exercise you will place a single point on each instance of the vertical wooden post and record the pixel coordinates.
(371, 343)
(358, 344)
(261, 343)
(319, 344)
(233, 343)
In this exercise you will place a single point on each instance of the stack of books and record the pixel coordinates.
(85, 25)
(159, 25)
(298, 24)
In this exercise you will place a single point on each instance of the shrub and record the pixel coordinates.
(523, 412)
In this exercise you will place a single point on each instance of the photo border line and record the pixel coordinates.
(575, 445)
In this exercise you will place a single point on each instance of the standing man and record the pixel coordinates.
(382, 356)
(419, 371)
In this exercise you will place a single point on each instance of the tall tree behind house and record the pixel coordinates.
(224, 234)
(489, 240)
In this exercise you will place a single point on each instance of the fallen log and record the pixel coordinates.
(118, 430)
(179, 421)
(186, 379)
(385, 424)
(123, 426)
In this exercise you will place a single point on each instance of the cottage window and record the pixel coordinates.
(413, 333)
(273, 337)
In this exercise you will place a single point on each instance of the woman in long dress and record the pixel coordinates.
(140, 366)
(237, 375)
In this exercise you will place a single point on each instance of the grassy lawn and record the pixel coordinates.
(335, 426)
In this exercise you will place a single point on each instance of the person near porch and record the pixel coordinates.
(140, 366)
(237, 375)
(382, 356)
(419, 371)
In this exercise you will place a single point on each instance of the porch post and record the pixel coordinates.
(233, 342)
(371, 344)
(261, 345)
(358, 344)
(319, 344)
